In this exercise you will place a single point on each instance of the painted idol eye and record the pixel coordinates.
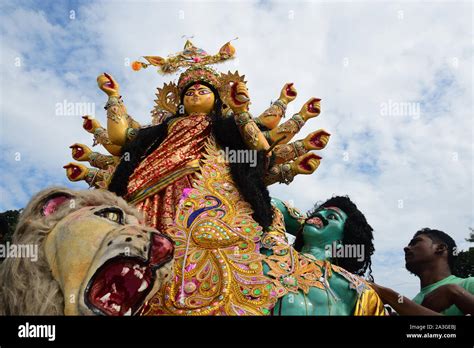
(204, 91)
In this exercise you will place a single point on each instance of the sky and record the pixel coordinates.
(395, 79)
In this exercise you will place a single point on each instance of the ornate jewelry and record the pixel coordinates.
(291, 271)
(282, 105)
(242, 118)
(113, 107)
(285, 152)
(282, 173)
(288, 152)
(198, 73)
(112, 101)
(299, 148)
(295, 213)
(218, 267)
(131, 133)
(299, 120)
(248, 128)
(101, 137)
(287, 174)
(293, 125)
(357, 283)
(250, 134)
(102, 161)
(90, 176)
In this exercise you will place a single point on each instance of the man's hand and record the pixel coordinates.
(443, 297)
(401, 304)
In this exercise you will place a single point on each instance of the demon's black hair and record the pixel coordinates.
(357, 231)
(249, 179)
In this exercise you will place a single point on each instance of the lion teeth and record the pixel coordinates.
(125, 270)
(128, 313)
(116, 307)
(105, 298)
(143, 286)
(138, 274)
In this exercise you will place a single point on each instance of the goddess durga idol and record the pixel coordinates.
(216, 211)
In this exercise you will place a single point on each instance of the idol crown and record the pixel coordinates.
(196, 60)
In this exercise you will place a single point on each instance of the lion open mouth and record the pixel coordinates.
(120, 286)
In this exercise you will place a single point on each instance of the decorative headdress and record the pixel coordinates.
(196, 60)
(199, 73)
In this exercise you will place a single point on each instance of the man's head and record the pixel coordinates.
(428, 247)
(338, 220)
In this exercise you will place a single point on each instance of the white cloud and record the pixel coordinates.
(355, 56)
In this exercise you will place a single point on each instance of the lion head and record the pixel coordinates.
(95, 256)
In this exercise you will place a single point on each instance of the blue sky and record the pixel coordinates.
(404, 171)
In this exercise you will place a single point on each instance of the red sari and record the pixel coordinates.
(157, 184)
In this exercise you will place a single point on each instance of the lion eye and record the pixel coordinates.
(112, 214)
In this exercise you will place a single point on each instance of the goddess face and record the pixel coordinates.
(198, 99)
(324, 227)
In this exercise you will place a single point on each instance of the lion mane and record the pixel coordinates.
(27, 287)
